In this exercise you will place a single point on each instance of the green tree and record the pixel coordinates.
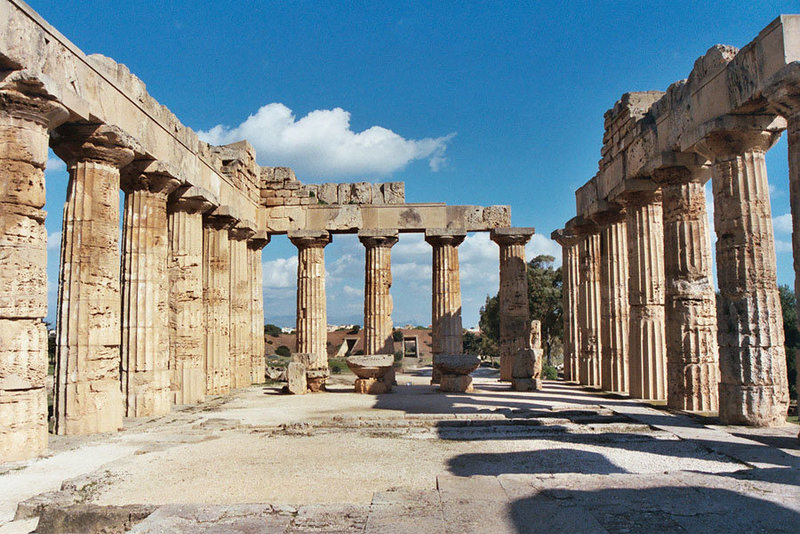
(472, 343)
(272, 330)
(792, 334)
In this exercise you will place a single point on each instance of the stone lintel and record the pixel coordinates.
(445, 236)
(511, 236)
(259, 240)
(193, 199)
(221, 218)
(309, 238)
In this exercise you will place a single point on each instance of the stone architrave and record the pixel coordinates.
(216, 299)
(589, 307)
(258, 363)
(753, 387)
(88, 398)
(447, 336)
(187, 318)
(377, 283)
(513, 295)
(241, 346)
(569, 295)
(27, 112)
(312, 316)
(647, 355)
(690, 302)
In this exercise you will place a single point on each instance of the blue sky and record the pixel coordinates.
(467, 102)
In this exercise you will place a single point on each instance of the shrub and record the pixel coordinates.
(549, 372)
(398, 356)
(272, 330)
(354, 330)
(397, 335)
(283, 350)
(337, 366)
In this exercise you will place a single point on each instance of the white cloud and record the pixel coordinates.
(351, 291)
(54, 241)
(783, 223)
(54, 164)
(782, 246)
(280, 272)
(411, 271)
(322, 144)
(541, 244)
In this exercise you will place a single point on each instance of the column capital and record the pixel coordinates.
(564, 237)
(783, 94)
(309, 238)
(259, 240)
(638, 198)
(26, 97)
(221, 218)
(243, 230)
(581, 226)
(732, 135)
(511, 236)
(445, 236)
(150, 175)
(679, 175)
(612, 214)
(100, 143)
(378, 238)
(192, 199)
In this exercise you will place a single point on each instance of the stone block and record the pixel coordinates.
(455, 383)
(296, 377)
(524, 364)
(370, 366)
(372, 386)
(456, 364)
(526, 384)
(361, 193)
(343, 193)
(394, 192)
(328, 193)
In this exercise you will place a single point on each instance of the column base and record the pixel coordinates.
(436, 375)
(456, 383)
(526, 384)
(760, 406)
(23, 432)
(192, 386)
(372, 386)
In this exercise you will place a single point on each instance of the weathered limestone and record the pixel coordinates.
(241, 322)
(144, 367)
(88, 397)
(377, 298)
(690, 328)
(258, 363)
(647, 353)
(569, 297)
(312, 316)
(372, 372)
(589, 307)
(216, 299)
(526, 373)
(753, 387)
(187, 317)
(455, 371)
(513, 295)
(27, 112)
(447, 336)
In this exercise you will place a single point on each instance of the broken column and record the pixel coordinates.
(258, 363)
(569, 299)
(447, 337)
(372, 372)
(312, 317)
(691, 322)
(377, 298)
(513, 295)
(216, 298)
(88, 397)
(240, 350)
(647, 358)
(753, 386)
(27, 112)
(589, 304)
(144, 367)
(187, 318)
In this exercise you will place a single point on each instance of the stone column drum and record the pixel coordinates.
(512, 296)
(26, 115)
(312, 317)
(447, 337)
(258, 363)
(144, 368)
(241, 352)
(690, 303)
(216, 299)
(589, 309)
(753, 386)
(569, 299)
(187, 318)
(647, 354)
(88, 398)
(377, 298)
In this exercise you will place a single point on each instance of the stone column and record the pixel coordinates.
(144, 369)
(513, 295)
(614, 313)
(26, 115)
(187, 318)
(589, 307)
(312, 317)
(377, 298)
(87, 391)
(647, 353)
(258, 363)
(569, 300)
(447, 336)
(753, 386)
(216, 299)
(241, 347)
(690, 303)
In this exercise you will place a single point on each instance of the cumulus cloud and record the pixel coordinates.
(783, 223)
(322, 144)
(539, 245)
(782, 246)
(280, 272)
(54, 164)
(352, 291)
(54, 241)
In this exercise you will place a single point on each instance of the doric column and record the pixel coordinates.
(647, 353)
(312, 317)
(241, 347)
(513, 295)
(187, 318)
(447, 336)
(753, 386)
(614, 313)
(569, 300)
(144, 369)
(691, 322)
(216, 299)
(258, 362)
(88, 397)
(377, 298)
(589, 306)
(26, 115)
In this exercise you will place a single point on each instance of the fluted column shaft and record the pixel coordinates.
(377, 296)
(570, 287)
(241, 345)
(257, 358)
(614, 312)
(88, 397)
(753, 386)
(446, 294)
(690, 302)
(24, 123)
(647, 353)
(793, 138)
(589, 310)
